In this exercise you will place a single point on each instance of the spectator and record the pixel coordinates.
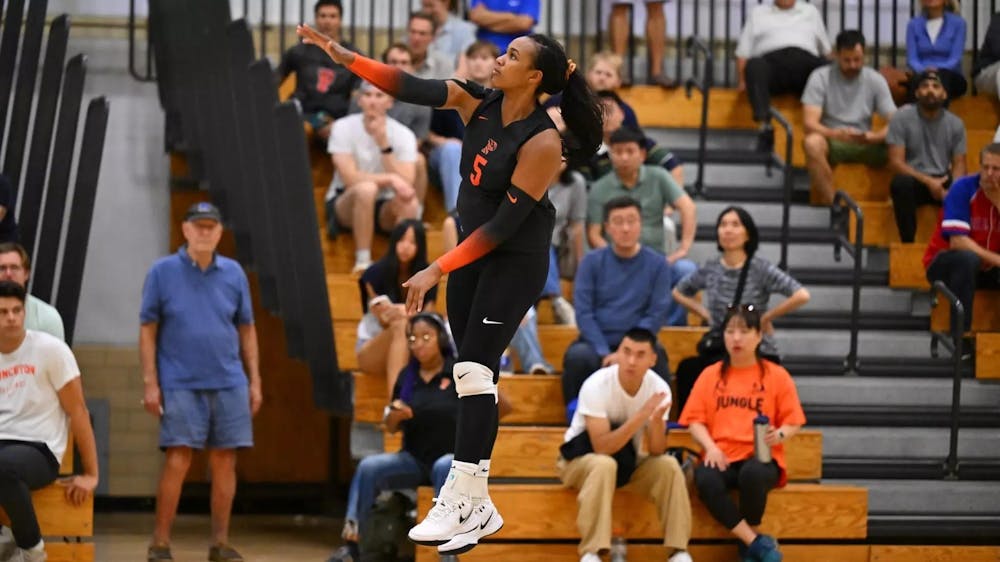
(778, 49)
(656, 36)
(986, 72)
(43, 403)
(617, 287)
(381, 345)
(197, 325)
(427, 63)
(614, 119)
(424, 406)
(621, 406)
(654, 189)
(447, 128)
(15, 265)
(525, 342)
(375, 161)
(839, 101)
(935, 40)
(739, 276)
(569, 197)
(454, 34)
(502, 21)
(604, 73)
(322, 86)
(721, 423)
(965, 249)
(926, 151)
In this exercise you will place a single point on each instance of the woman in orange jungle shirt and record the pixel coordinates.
(720, 413)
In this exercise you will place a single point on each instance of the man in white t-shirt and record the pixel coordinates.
(375, 161)
(42, 401)
(635, 401)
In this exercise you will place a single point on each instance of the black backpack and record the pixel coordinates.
(383, 538)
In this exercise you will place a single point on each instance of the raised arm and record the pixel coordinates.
(447, 94)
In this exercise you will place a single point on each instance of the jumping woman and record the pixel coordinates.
(510, 155)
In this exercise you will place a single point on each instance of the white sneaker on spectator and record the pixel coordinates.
(540, 369)
(482, 522)
(563, 311)
(680, 556)
(590, 557)
(34, 554)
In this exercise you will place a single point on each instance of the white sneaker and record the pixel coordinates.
(445, 520)
(8, 548)
(680, 556)
(482, 522)
(590, 557)
(563, 311)
(31, 555)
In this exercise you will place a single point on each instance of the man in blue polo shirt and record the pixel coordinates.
(196, 337)
(502, 21)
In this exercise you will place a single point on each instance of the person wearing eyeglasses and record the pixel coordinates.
(721, 414)
(424, 407)
(15, 265)
(738, 276)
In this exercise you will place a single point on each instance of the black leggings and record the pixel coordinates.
(24, 467)
(753, 479)
(486, 302)
(778, 72)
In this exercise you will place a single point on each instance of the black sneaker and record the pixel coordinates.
(158, 553)
(223, 553)
(765, 140)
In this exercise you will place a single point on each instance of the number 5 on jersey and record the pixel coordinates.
(477, 169)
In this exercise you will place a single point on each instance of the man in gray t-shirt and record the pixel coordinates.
(840, 100)
(926, 151)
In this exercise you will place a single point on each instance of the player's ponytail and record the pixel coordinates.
(581, 110)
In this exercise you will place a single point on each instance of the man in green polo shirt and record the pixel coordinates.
(15, 265)
(654, 189)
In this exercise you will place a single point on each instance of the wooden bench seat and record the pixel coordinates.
(531, 452)
(798, 511)
(985, 313)
(988, 355)
(906, 266)
(645, 552)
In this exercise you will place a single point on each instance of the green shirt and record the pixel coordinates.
(43, 317)
(654, 190)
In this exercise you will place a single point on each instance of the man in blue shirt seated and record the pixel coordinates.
(618, 287)
(502, 21)
(196, 338)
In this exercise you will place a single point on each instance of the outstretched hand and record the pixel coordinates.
(338, 53)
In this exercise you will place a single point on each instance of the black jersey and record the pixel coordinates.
(489, 155)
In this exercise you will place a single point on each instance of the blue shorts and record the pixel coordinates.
(213, 419)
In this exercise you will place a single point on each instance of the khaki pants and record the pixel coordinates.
(657, 477)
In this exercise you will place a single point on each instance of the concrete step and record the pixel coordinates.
(897, 391)
(929, 497)
(873, 299)
(899, 443)
(871, 343)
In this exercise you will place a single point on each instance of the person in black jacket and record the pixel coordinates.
(986, 71)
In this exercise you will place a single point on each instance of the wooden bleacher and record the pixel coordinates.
(64, 525)
(985, 313)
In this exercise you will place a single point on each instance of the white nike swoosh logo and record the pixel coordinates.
(488, 321)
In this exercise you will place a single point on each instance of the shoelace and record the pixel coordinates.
(442, 508)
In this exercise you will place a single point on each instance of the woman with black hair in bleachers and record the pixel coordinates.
(722, 413)
(737, 276)
(381, 346)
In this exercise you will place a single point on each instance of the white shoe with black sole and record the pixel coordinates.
(482, 522)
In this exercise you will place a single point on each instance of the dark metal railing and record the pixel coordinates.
(583, 23)
(953, 342)
(840, 223)
(787, 186)
(694, 45)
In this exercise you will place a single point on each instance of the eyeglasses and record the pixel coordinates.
(412, 339)
(11, 268)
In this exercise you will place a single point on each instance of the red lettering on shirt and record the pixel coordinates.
(324, 79)
(16, 370)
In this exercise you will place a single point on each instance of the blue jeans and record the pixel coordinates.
(525, 342)
(206, 419)
(677, 314)
(390, 471)
(552, 287)
(445, 159)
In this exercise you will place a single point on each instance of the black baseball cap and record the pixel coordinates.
(929, 75)
(203, 210)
